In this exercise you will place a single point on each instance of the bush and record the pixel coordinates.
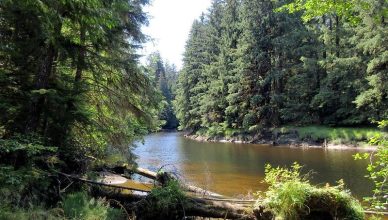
(167, 202)
(291, 196)
(378, 173)
(24, 178)
(249, 120)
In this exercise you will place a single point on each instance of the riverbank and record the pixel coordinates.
(303, 137)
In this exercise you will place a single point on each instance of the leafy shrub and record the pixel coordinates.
(165, 202)
(291, 196)
(215, 130)
(23, 181)
(249, 120)
(378, 172)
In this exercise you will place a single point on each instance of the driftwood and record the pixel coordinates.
(195, 207)
(211, 206)
(154, 176)
(100, 183)
(198, 207)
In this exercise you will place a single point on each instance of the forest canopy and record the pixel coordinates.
(70, 76)
(251, 65)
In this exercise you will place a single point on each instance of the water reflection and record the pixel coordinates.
(233, 169)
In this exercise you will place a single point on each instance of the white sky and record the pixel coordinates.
(170, 23)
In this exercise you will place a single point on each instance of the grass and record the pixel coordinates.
(75, 206)
(33, 213)
(80, 206)
(337, 134)
(291, 196)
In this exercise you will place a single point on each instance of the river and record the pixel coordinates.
(237, 169)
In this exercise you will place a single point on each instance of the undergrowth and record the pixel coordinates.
(336, 135)
(291, 196)
(167, 202)
(80, 206)
(75, 206)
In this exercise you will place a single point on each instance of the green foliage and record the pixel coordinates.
(165, 78)
(23, 177)
(81, 206)
(335, 134)
(291, 196)
(313, 8)
(71, 92)
(255, 66)
(378, 172)
(30, 145)
(69, 74)
(166, 202)
(33, 213)
(74, 206)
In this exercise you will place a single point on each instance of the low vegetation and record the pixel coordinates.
(378, 170)
(338, 135)
(81, 206)
(75, 206)
(167, 202)
(291, 196)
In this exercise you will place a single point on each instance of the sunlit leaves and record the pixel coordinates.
(317, 8)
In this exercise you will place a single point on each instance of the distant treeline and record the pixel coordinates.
(249, 65)
(165, 76)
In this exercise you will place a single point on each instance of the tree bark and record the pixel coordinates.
(41, 82)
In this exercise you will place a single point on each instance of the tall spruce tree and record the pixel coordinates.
(69, 74)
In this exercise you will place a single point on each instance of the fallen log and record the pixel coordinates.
(100, 183)
(146, 173)
(154, 176)
(193, 207)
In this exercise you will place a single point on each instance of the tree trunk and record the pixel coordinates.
(80, 66)
(41, 82)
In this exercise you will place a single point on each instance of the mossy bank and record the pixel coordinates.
(307, 136)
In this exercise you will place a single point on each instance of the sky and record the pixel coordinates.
(170, 23)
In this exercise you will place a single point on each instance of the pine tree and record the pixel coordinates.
(191, 81)
(372, 44)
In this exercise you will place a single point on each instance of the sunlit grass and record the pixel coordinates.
(337, 134)
(291, 196)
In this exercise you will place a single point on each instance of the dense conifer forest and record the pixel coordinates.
(75, 100)
(251, 65)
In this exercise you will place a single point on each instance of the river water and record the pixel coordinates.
(237, 169)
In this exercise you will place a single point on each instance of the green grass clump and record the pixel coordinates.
(337, 134)
(291, 196)
(80, 206)
(167, 202)
(29, 214)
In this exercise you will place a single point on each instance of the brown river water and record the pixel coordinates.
(237, 169)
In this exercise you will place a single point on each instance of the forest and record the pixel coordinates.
(75, 98)
(250, 65)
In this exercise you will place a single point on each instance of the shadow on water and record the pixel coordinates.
(233, 169)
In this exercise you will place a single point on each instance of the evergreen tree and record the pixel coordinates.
(192, 84)
(164, 78)
(372, 44)
(69, 74)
